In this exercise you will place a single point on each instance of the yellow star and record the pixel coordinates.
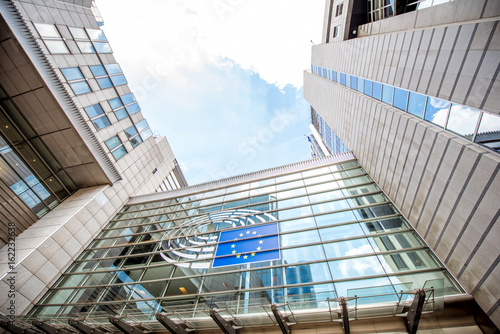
(232, 246)
(261, 241)
(245, 257)
(238, 256)
(248, 232)
(254, 232)
(258, 248)
(241, 234)
(233, 252)
(253, 254)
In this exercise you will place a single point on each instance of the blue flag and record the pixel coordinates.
(256, 243)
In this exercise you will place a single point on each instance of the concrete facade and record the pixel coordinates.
(448, 187)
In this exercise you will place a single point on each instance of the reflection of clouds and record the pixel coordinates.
(360, 267)
(489, 123)
(439, 117)
(363, 249)
(437, 103)
(462, 119)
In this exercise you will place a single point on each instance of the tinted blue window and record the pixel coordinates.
(146, 134)
(115, 103)
(121, 113)
(127, 99)
(354, 81)
(416, 104)
(400, 98)
(113, 142)
(334, 75)
(101, 47)
(387, 94)
(436, 111)
(101, 122)
(104, 82)
(72, 73)
(113, 68)
(119, 152)
(136, 141)
(348, 80)
(377, 90)
(360, 84)
(141, 125)
(130, 132)
(118, 80)
(94, 110)
(342, 79)
(133, 108)
(98, 70)
(80, 87)
(368, 88)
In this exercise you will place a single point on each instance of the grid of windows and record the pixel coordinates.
(97, 116)
(331, 140)
(337, 235)
(52, 39)
(475, 125)
(108, 75)
(116, 147)
(76, 80)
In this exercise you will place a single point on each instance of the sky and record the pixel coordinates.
(221, 79)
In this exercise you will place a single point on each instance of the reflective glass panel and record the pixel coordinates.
(119, 152)
(102, 47)
(113, 68)
(300, 238)
(146, 134)
(101, 122)
(128, 98)
(113, 142)
(136, 141)
(141, 125)
(354, 82)
(377, 90)
(85, 47)
(78, 33)
(115, 103)
(80, 87)
(416, 104)
(400, 98)
(133, 108)
(72, 73)
(47, 30)
(94, 110)
(367, 89)
(387, 94)
(348, 248)
(104, 82)
(118, 80)
(98, 70)
(357, 267)
(489, 131)
(96, 34)
(335, 218)
(436, 111)
(121, 113)
(56, 46)
(342, 79)
(130, 132)
(300, 254)
(341, 232)
(360, 85)
(462, 120)
(297, 224)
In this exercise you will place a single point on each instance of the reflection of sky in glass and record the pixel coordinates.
(416, 104)
(377, 90)
(489, 123)
(462, 120)
(350, 268)
(387, 94)
(436, 111)
(400, 98)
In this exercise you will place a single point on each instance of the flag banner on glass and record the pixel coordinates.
(256, 243)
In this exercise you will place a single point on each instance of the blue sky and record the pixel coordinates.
(221, 79)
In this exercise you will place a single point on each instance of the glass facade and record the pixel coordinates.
(331, 140)
(303, 238)
(475, 125)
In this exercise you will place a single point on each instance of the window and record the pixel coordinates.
(76, 80)
(108, 75)
(340, 7)
(144, 130)
(51, 37)
(124, 106)
(116, 147)
(97, 116)
(99, 41)
(336, 31)
(133, 136)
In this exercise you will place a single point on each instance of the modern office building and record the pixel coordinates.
(307, 238)
(74, 145)
(412, 88)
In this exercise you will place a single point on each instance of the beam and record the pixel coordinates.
(126, 327)
(85, 328)
(169, 324)
(285, 329)
(345, 316)
(50, 328)
(13, 328)
(226, 326)
(415, 312)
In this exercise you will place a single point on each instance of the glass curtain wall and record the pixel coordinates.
(300, 238)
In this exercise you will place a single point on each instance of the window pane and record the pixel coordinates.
(56, 47)
(101, 122)
(400, 98)
(80, 87)
(489, 131)
(129, 98)
(347, 248)
(113, 142)
(340, 232)
(348, 80)
(104, 82)
(133, 108)
(119, 80)
(416, 104)
(72, 73)
(78, 33)
(136, 141)
(47, 30)
(96, 34)
(115, 103)
(377, 90)
(113, 68)
(101, 47)
(294, 255)
(98, 70)
(141, 125)
(335, 218)
(300, 238)
(463, 120)
(121, 113)
(358, 267)
(119, 152)
(353, 82)
(130, 132)
(146, 134)
(85, 47)
(342, 79)
(367, 87)
(94, 110)
(436, 111)
(387, 94)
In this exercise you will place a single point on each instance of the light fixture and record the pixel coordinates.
(183, 290)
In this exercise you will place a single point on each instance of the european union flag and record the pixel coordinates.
(256, 243)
